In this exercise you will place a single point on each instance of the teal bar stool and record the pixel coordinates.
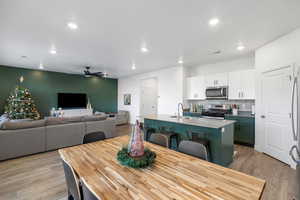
(170, 137)
(200, 137)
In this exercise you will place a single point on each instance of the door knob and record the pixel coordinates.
(263, 116)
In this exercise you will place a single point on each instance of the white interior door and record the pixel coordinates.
(149, 97)
(276, 93)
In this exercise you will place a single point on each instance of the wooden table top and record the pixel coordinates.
(173, 176)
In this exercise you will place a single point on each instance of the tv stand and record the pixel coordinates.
(77, 112)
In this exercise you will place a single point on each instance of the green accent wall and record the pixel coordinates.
(44, 86)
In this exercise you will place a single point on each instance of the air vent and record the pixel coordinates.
(217, 52)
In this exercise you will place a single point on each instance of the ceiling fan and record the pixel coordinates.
(88, 73)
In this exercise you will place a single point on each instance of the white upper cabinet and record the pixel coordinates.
(248, 84)
(195, 87)
(216, 80)
(242, 84)
(234, 85)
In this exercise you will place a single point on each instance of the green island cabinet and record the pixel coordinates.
(244, 129)
(220, 139)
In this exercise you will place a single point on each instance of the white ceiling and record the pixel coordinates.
(111, 32)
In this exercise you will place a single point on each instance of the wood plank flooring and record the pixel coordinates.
(41, 176)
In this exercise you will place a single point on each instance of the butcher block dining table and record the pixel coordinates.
(174, 175)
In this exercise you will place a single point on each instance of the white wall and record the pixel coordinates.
(170, 91)
(281, 52)
(242, 63)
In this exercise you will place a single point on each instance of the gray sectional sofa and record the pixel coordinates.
(28, 137)
(122, 117)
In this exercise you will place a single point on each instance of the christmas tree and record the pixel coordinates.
(20, 105)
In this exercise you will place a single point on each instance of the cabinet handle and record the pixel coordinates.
(239, 95)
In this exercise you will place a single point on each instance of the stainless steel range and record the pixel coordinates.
(216, 112)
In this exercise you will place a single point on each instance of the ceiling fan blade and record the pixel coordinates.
(98, 74)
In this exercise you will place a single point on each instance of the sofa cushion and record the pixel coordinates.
(2, 121)
(73, 119)
(94, 117)
(4, 116)
(22, 120)
(62, 120)
(11, 125)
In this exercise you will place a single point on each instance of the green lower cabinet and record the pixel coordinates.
(244, 130)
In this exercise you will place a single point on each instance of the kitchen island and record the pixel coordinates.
(218, 132)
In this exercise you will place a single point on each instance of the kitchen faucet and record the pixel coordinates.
(180, 104)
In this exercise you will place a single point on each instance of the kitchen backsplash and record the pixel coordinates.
(244, 105)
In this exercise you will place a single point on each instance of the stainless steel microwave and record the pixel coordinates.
(217, 92)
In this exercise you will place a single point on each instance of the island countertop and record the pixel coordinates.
(194, 121)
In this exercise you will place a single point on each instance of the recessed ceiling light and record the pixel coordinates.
(52, 51)
(214, 21)
(240, 47)
(41, 66)
(180, 61)
(72, 25)
(133, 67)
(144, 50)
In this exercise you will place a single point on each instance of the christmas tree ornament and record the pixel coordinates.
(21, 79)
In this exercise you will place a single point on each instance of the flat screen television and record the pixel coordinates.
(71, 100)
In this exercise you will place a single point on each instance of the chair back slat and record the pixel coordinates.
(72, 181)
(87, 193)
(93, 137)
(159, 139)
(194, 149)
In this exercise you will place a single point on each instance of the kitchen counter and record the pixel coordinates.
(244, 128)
(242, 114)
(218, 132)
(194, 121)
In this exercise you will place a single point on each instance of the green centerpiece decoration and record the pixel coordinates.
(135, 155)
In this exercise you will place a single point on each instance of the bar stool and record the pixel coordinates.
(194, 149)
(165, 137)
(199, 137)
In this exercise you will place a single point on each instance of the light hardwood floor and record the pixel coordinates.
(41, 176)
